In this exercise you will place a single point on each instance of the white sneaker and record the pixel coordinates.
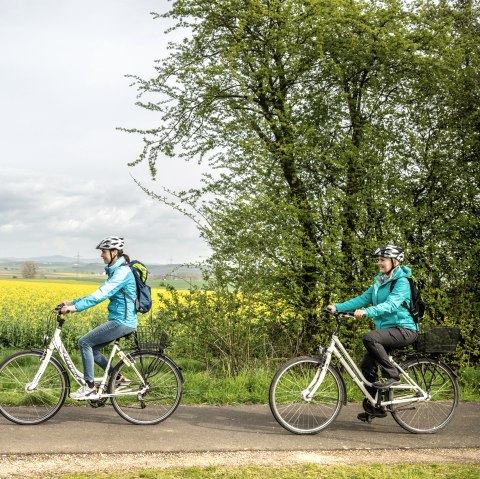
(85, 392)
(122, 382)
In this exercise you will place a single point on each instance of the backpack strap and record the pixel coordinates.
(392, 286)
(125, 294)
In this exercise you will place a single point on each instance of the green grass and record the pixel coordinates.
(469, 379)
(407, 471)
(208, 388)
(251, 386)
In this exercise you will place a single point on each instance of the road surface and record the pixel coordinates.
(220, 429)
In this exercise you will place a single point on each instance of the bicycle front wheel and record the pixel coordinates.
(155, 396)
(441, 385)
(19, 403)
(292, 410)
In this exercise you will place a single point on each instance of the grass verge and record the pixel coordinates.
(251, 386)
(450, 471)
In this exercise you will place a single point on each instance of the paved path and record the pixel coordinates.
(219, 429)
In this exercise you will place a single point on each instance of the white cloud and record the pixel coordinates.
(51, 214)
(63, 166)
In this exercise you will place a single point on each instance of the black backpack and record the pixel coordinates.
(417, 306)
(143, 302)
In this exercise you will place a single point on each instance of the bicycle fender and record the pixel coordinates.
(345, 401)
(434, 360)
(57, 363)
(176, 365)
(321, 360)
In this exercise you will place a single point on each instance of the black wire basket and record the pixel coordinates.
(148, 338)
(438, 339)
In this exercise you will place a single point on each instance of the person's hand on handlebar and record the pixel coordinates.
(359, 313)
(67, 307)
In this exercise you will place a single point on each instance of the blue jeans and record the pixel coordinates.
(96, 339)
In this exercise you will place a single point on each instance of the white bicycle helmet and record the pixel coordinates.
(111, 242)
(390, 251)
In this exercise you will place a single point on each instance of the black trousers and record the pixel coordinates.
(378, 344)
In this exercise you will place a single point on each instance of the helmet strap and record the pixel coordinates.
(112, 258)
(392, 268)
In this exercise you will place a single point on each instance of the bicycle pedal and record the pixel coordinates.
(365, 417)
(96, 403)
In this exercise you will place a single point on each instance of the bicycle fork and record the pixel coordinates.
(308, 393)
(47, 355)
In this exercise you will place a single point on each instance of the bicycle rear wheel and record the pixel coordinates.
(440, 383)
(163, 384)
(22, 406)
(289, 407)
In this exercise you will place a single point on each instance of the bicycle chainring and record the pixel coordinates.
(96, 403)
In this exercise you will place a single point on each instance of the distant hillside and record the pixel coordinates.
(51, 266)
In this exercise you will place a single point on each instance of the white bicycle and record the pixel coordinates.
(34, 384)
(307, 393)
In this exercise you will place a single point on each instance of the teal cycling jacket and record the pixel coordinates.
(120, 308)
(386, 310)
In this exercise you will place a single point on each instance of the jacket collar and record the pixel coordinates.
(110, 269)
(400, 272)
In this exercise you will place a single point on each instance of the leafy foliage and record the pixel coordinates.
(330, 127)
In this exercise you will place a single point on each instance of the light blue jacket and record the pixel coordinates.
(121, 309)
(387, 310)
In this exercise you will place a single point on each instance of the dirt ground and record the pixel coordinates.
(31, 466)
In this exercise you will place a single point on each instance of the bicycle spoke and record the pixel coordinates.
(433, 414)
(162, 386)
(288, 406)
(30, 407)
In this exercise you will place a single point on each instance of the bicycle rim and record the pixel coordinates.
(21, 406)
(432, 415)
(163, 382)
(291, 410)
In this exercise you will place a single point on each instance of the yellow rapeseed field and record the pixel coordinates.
(25, 306)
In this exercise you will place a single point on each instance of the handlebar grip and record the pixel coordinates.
(348, 314)
(58, 309)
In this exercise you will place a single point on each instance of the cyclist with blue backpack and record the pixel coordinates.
(122, 314)
(387, 302)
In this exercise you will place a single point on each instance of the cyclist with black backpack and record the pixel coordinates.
(122, 313)
(387, 302)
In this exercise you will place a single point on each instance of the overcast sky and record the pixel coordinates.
(65, 183)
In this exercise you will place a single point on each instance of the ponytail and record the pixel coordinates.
(127, 258)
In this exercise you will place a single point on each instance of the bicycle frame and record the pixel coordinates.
(337, 349)
(56, 344)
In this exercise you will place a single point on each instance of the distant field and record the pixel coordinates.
(85, 278)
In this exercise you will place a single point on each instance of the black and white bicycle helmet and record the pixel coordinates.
(111, 242)
(390, 251)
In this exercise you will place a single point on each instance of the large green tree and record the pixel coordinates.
(329, 126)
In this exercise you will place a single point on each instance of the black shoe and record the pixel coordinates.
(387, 384)
(371, 412)
(367, 417)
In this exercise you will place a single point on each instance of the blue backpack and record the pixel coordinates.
(143, 301)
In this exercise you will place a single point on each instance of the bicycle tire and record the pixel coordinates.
(21, 406)
(297, 414)
(164, 383)
(439, 381)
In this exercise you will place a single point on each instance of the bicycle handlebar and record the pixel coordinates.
(58, 310)
(347, 314)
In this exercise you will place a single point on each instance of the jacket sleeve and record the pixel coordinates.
(394, 301)
(113, 284)
(355, 303)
